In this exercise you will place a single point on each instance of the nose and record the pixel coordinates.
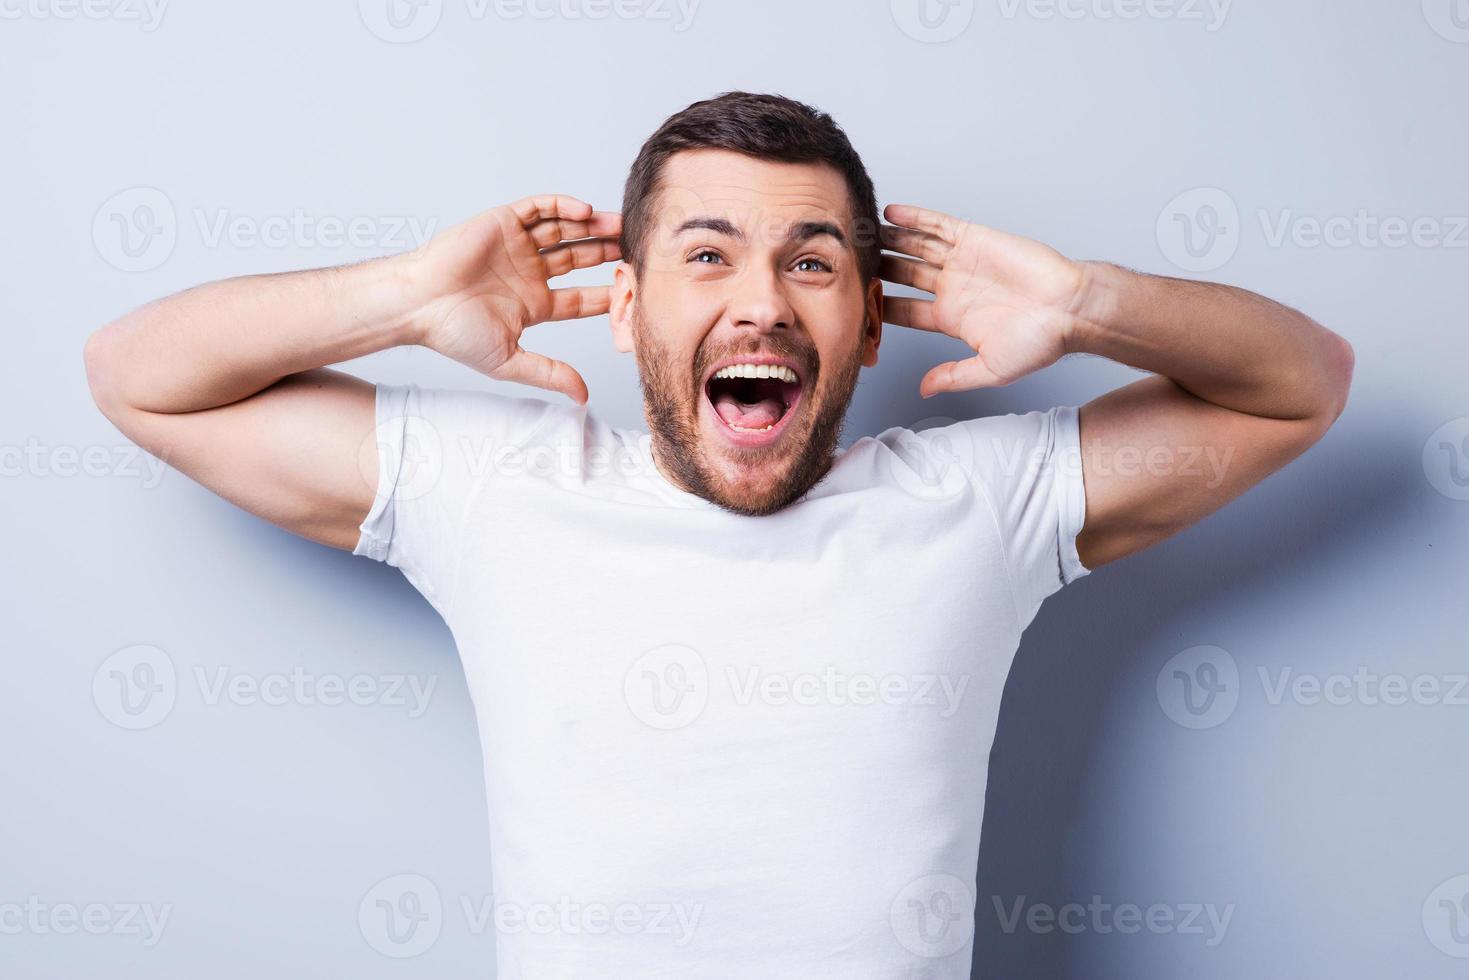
(759, 302)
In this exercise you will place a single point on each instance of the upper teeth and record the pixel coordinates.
(778, 371)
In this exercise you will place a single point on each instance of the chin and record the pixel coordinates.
(754, 489)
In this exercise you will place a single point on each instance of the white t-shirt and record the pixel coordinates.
(721, 746)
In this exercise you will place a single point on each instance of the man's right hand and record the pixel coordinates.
(487, 279)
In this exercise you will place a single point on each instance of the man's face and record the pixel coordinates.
(750, 322)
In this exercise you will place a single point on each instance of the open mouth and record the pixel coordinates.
(752, 400)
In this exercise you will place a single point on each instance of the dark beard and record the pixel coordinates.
(673, 420)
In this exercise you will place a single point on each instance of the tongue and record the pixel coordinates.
(757, 415)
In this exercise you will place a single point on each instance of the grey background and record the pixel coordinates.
(1328, 828)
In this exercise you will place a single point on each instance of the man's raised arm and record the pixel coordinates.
(1242, 385)
(227, 381)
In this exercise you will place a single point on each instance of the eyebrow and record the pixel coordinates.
(799, 232)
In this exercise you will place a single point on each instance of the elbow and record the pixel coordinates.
(1346, 363)
(1341, 363)
(97, 360)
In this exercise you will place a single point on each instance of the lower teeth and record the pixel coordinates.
(741, 428)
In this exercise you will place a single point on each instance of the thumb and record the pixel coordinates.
(959, 376)
(530, 368)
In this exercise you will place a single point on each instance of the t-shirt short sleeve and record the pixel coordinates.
(1029, 466)
(436, 450)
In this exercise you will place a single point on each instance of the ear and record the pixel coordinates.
(624, 294)
(873, 308)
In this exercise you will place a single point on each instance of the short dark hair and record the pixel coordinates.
(767, 127)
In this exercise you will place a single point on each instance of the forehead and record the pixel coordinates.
(748, 192)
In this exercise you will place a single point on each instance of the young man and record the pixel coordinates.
(736, 690)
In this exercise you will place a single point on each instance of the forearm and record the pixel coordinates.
(224, 341)
(1225, 345)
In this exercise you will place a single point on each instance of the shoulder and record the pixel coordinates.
(997, 449)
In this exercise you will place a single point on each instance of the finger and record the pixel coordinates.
(927, 247)
(543, 206)
(904, 312)
(602, 224)
(963, 375)
(909, 272)
(943, 226)
(575, 302)
(529, 368)
(585, 254)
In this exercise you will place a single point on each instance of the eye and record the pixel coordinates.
(706, 254)
(813, 264)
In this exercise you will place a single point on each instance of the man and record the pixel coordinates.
(736, 690)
